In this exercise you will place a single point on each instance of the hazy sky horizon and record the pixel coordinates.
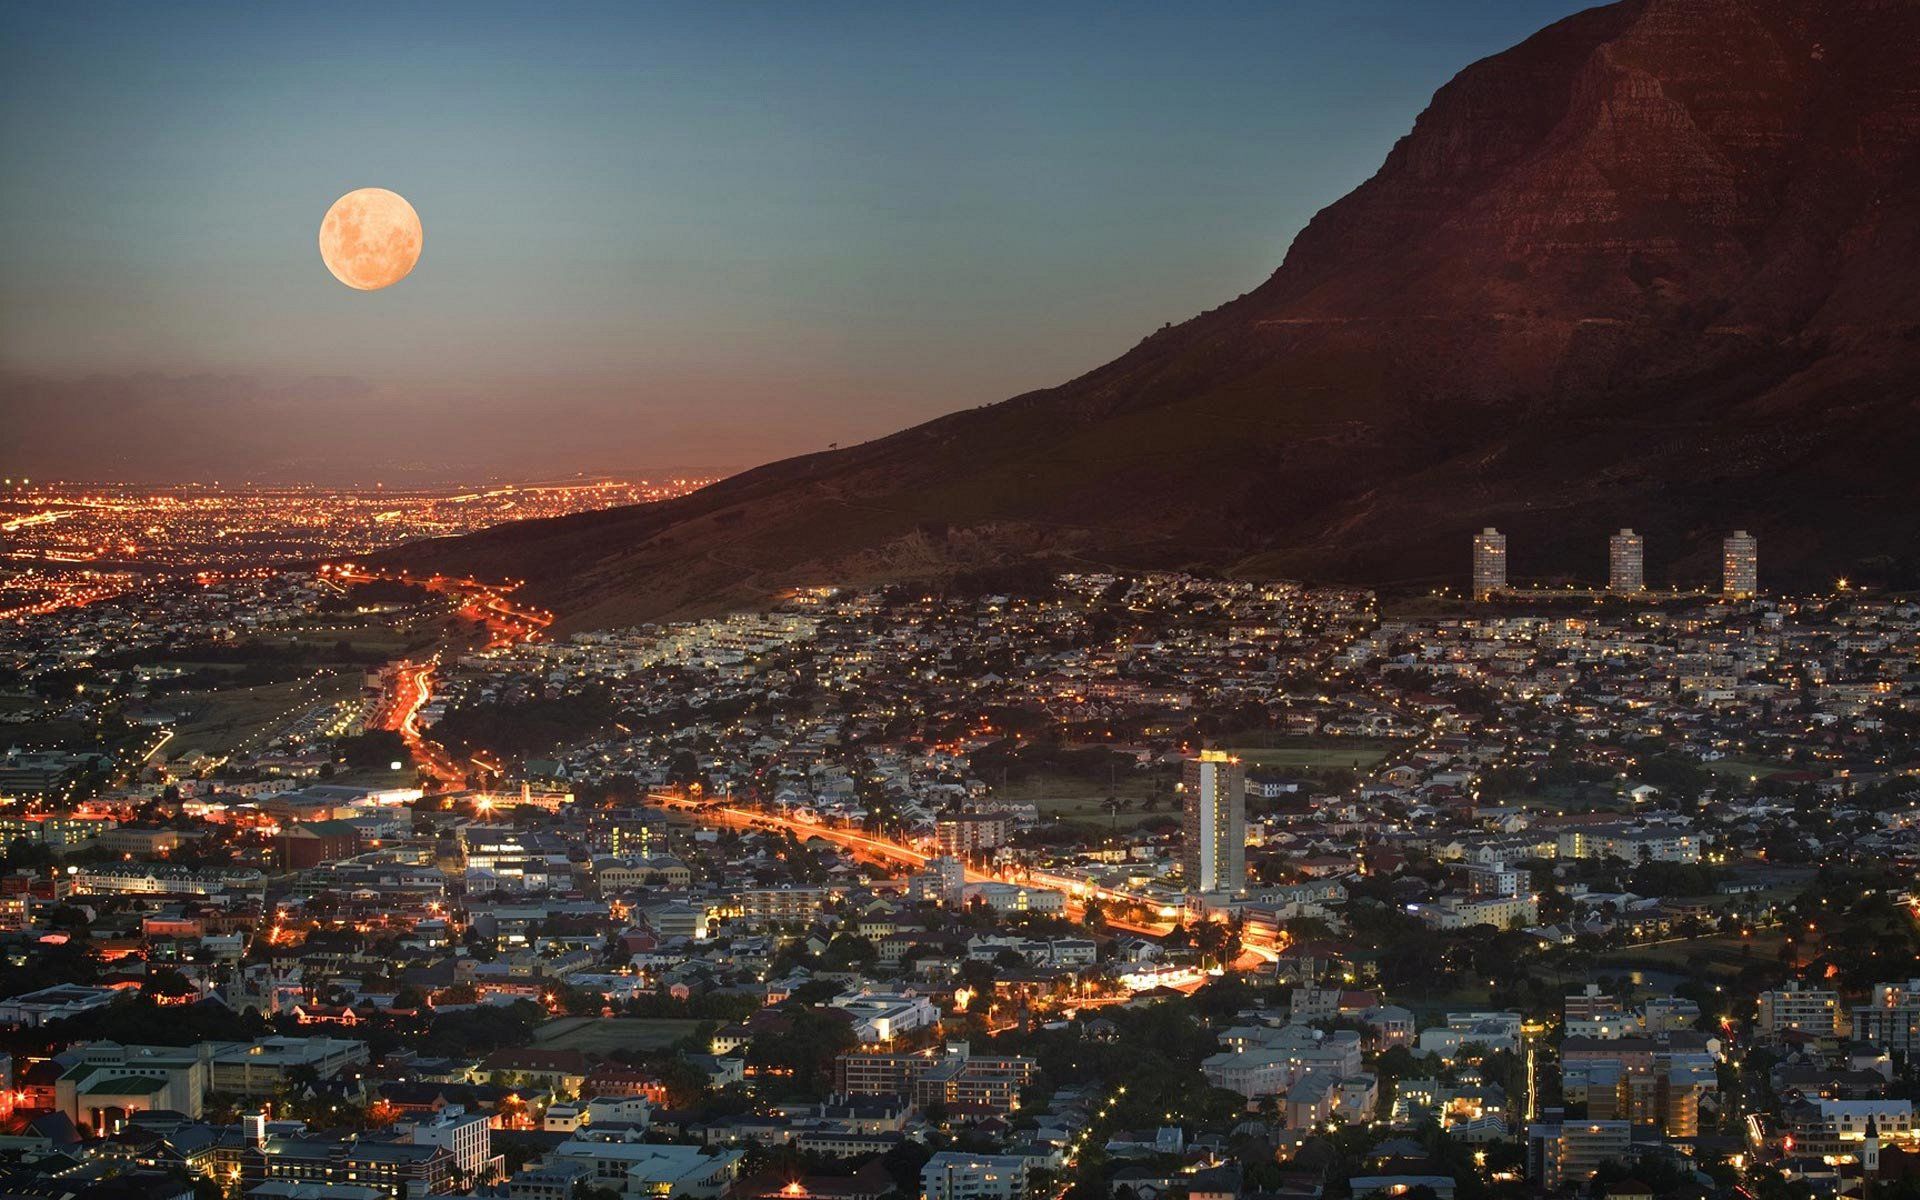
(692, 236)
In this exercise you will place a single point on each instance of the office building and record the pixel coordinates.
(562, 1179)
(60, 1002)
(1740, 566)
(328, 1161)
(635, 1168)
(306, 844)
(1214, 855)
(465, 1135)
(110, 1083)
(263, 1068)
(1489, 563)
(1626, 562)
(1013, 897)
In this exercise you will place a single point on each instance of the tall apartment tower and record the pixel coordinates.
(1489, 563)
(1626, 562)
(1214, 856)
(1740, 566)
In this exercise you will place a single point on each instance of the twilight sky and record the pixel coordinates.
(658, 236)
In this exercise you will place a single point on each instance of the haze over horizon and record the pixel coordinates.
(675, 237)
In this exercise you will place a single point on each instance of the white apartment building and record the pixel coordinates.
(1489, 563)
(1798, 1009)
(1891, 1017)
(1848, 1119)
(1213, 856)
(1464, 912)
(1740, 565)
(1630, 845)
(1626, 562)
(953, 1175)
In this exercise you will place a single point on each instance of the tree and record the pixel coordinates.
(849, 949)
(166, 982)
(803, 1054)
(903, 1163)
(409, 997)
(372, 750)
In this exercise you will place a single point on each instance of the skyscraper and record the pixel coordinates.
(1740, 566)
(1626, 562)
(1489, 563)
(1214, 857)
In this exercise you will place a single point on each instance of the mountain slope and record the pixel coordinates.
(1655, 265)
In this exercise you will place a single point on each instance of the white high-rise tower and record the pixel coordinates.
(1214, 856)
(1489, 563)
(1626, 562)
(1740, 566)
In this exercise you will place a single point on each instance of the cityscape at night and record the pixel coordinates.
(1441, 725)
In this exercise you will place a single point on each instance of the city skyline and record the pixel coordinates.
(1421, 703)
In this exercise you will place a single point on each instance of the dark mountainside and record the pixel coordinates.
(1655, 266)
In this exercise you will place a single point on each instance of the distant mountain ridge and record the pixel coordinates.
(1658, 265)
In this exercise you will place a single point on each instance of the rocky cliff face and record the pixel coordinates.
(1655, 266)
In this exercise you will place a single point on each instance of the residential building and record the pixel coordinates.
(1570, 1152)
(1489, 563)
(1632, 845)
(955, 1175)
(1740, 566)
(941, 880)
(1799, 1009)
(1891, 1017)
(965, 835)
(783, 905)
(1214, 853)
(958, 1076)
(1626, 562)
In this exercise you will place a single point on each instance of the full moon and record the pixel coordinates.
(370, 239)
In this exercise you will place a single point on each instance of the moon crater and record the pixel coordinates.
(370, 239)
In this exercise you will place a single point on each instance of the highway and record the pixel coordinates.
(1258, 951)
(70, 594)
(875, 849)
(409, 688)
(410, 684)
